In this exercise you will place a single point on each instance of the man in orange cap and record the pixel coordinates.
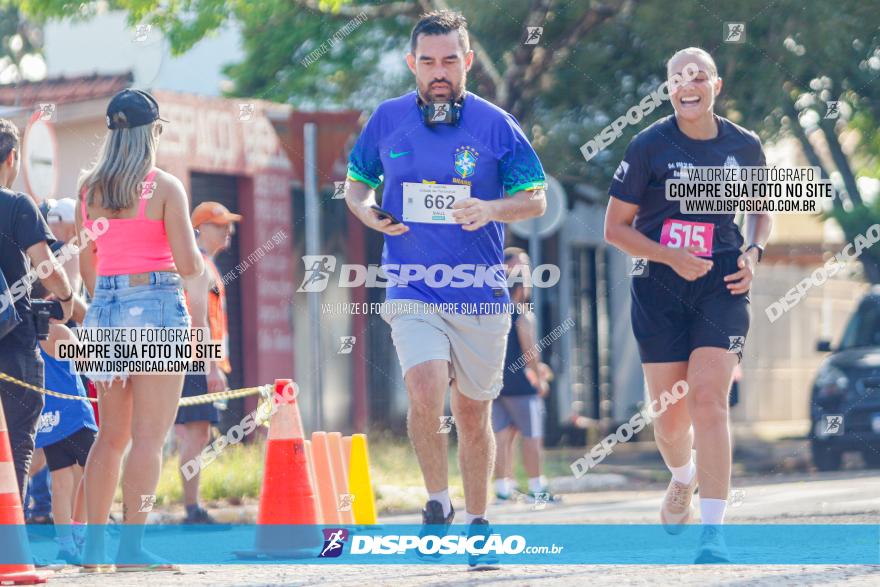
(206, 299)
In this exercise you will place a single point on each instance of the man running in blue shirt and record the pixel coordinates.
(455, 168)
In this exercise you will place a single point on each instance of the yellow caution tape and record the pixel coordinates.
(209, 398)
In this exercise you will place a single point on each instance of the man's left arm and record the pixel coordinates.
(522, 205)
(474, 213)
(522, 178)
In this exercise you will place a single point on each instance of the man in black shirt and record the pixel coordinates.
(24, 240)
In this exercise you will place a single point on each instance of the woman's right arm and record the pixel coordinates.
(181, 237)
(87, 255)
(619, 231)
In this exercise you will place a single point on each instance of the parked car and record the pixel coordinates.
(845, 403)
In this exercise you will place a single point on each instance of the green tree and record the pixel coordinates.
(19, 39)
(592, 63)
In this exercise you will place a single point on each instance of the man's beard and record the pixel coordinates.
(456, 92)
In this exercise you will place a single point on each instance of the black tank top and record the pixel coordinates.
(515, 382)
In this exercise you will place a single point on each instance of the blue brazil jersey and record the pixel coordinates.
(659, 152)
(487, 151)
(62, 417)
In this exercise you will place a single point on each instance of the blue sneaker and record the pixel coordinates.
(481, 562)
(713, 549)
(71, 557)
(434, 523)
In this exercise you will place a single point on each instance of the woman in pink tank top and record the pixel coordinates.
(134, 271)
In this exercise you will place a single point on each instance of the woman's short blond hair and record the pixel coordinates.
(695, 51)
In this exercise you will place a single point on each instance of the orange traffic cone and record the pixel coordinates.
(346, 453)
(313, 480)
(340, 474)
(15, 543)
(286, 497)
(328, 496)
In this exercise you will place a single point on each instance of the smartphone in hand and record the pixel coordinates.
(383, 214)
(50, 308)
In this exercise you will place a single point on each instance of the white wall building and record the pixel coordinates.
(107, 44)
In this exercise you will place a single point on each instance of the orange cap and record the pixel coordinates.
(213, 212)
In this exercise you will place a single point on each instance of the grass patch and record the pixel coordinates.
(237, 474)
(393, 462)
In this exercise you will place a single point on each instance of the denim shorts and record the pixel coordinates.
(158, 303)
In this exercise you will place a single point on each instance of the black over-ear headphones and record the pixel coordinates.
(434, 113)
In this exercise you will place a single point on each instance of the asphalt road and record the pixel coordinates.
(841, 498)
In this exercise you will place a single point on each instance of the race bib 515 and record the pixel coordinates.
(681, 233)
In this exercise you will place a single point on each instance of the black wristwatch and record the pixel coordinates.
(67, 299)
(756, 246)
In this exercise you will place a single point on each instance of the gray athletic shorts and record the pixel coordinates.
(523, 412)
(473, 345)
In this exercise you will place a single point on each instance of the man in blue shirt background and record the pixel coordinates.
(455, 168)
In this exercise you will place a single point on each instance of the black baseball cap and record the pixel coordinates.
(131, 108)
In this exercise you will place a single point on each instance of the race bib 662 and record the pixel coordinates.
(432, 202)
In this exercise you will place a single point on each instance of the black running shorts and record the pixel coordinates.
(73, 450)
(672, 316)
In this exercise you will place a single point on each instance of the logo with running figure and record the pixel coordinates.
(541, 501)
(734, 32)
(833, 424)
(334, 540)
(736, 498)
(338, 190)
(533, 34)
(317, 272)
(446, 424)
(47, 111)
(639, 267)
(141, 32)
(246, 112)
(346, 345)
(833, 109)
(148, 188)
(736, 344)
(345, 502)
(147, 503)
(466, 161)
(441, 113)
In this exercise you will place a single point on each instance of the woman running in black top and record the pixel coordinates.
(690, 312)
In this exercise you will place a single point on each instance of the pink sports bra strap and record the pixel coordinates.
(147, 190)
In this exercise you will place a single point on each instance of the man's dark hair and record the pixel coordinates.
(8, 138)
(441, 22)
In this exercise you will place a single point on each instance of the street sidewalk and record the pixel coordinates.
(633, 466)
